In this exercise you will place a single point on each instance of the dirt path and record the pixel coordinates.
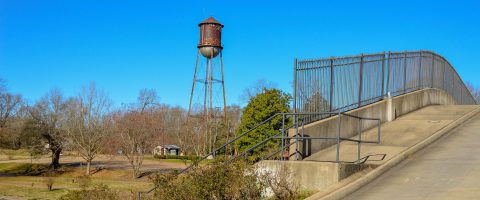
(110, 162)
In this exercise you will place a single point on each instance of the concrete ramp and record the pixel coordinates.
(447, 169)
(398, 135)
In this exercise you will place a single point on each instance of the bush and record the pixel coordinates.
(83, 182)
(26, 169)
(49, 183)
(98, 192)
(213, 181)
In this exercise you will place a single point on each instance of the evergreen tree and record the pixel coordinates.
(259, 108)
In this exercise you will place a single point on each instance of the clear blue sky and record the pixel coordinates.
(124, 46)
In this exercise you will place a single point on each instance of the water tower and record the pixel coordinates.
(207, 99)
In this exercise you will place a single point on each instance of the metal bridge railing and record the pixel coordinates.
(346, 83)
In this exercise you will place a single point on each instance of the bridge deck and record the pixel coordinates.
(398, 135)
(447, 169)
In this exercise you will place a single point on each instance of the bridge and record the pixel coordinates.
(359, 121)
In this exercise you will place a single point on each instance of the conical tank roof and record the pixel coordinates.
(210, 20)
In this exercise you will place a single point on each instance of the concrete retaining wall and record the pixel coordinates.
(310, 175)
(386, 110)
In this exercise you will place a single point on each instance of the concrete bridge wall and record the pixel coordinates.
(387, 110)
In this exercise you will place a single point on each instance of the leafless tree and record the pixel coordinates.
(2, 85)
(255, 89)
(136, 131)
(474, 90)
(136, 128)
(10, 104)
(147, 98)
(47, 118)
(87, 125)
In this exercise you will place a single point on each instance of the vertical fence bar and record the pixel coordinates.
(295, 85)
(433, 69)
(405, 73)
(383, 76)
(361, 82)
(331, 84)
(420, 77)
(388, 73)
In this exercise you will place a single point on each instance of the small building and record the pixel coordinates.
(169, 149)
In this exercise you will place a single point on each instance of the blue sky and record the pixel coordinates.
(124, 46)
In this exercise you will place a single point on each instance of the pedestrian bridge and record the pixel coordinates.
(356, 117)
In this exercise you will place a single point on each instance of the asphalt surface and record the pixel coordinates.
(447, 169)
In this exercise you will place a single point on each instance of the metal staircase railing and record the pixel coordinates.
(288, 140)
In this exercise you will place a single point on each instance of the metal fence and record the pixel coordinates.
(346, 83)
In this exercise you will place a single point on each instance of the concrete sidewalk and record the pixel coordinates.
(398, 135)
(447, 169)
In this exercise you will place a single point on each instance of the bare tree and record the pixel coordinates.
(181, 132)
(47, 118)
(87, 125)
(256, 88)
(474, 90)
(147, 98)
(10, 104)
(137, 128)
(3, 84)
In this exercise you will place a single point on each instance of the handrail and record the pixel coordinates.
(283, 138)
(216, 150)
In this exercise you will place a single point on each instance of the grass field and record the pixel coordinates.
(16, 182)
(20, 179)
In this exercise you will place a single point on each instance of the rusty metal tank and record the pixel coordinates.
(210, 43)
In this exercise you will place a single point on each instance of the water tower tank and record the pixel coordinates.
(210, 37)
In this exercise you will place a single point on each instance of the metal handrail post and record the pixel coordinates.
(303, 140)
(283, 137)
(338, 136)
(379, 130)
(296, 136)
(359, 137)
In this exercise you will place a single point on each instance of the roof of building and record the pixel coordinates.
(210, 20)
(169, 146)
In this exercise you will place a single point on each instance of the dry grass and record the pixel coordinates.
(33, 187)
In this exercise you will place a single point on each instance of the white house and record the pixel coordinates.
(169, 149)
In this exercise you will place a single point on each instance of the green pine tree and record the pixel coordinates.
(259, 108)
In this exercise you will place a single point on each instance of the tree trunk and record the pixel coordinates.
(88, 167)
(55, 157)
(135, 173)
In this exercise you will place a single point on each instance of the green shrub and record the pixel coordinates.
(49, 183)
(213, 181)
(98, 192)
(23, 169)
